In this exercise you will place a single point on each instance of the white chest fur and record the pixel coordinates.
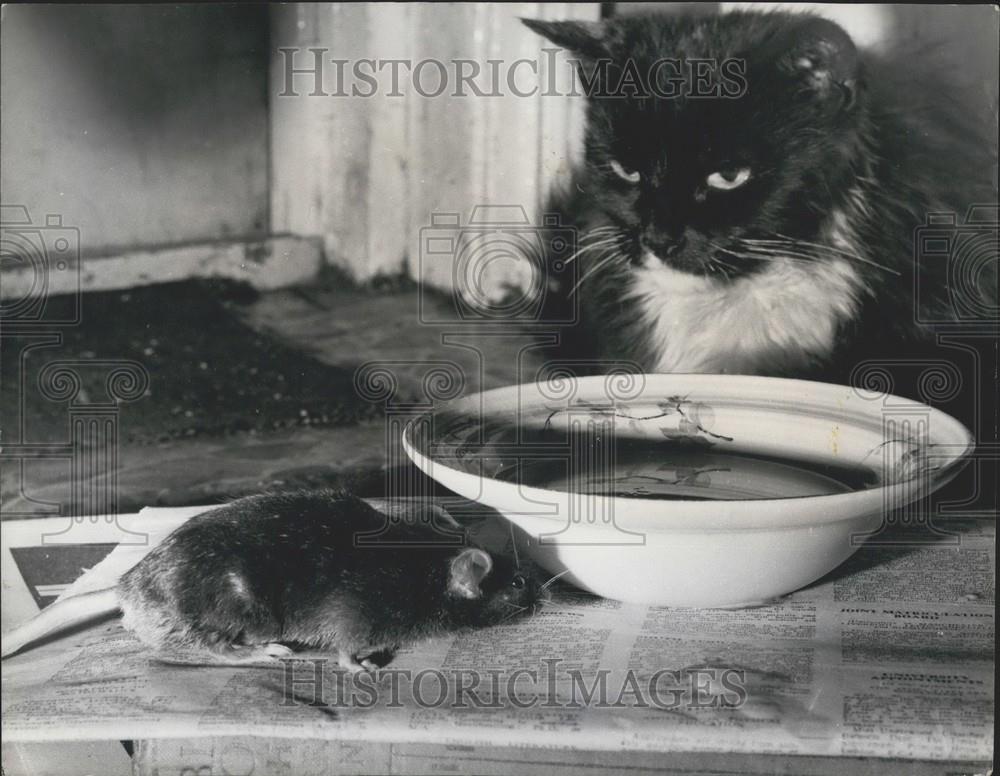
(780, 319)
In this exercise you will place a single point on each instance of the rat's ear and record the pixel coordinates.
(439, 517)
(586, 39)
(819, 52)
(468, 569)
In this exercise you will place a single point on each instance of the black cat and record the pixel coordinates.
(763, 220)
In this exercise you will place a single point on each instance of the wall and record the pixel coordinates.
(150, 126)
(367, 173)
(968, 35)
(141, 125)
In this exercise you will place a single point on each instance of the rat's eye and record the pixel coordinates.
(729, 178)
(518, 582)
(632, 176)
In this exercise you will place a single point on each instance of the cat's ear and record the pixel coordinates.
(468, 569)
(585, 39)
(823, 55)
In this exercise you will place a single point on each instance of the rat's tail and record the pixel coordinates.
(62, 615)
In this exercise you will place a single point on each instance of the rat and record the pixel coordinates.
(264, 574)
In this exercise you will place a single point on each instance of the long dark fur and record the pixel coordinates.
(882, 141)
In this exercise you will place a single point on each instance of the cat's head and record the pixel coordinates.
(760, 148)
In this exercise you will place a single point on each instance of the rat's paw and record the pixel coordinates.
(369, 665)
(276, 650)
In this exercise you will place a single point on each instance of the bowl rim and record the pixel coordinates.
(703, 515)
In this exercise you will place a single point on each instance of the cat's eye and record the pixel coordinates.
(626, 175)
(728, 179)
(518, 582)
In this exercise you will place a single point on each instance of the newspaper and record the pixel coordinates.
(889, 656)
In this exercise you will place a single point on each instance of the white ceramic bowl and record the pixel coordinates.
(641, 485)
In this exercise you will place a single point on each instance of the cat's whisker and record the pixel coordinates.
(715, 264)
(612, 233)
(723, 266)
(779, 249)
(513, 546)
(730, 251)
(742, 255)
(595, 241)
(600, 231)
(606, 243)
(780, 256)
(792, 242)
(775, 254)
(606, 261)
(610, 259)
(604, 229)
(807, 255)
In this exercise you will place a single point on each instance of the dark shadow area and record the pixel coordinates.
(209, 372)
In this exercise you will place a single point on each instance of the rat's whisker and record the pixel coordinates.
(513, 546)
(553, 579)
(514, 614)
